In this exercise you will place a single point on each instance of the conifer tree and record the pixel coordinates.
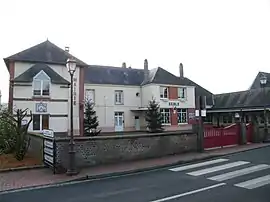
(90, 120)
(153, 117)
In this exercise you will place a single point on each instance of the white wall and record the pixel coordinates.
(56, 93)
(105, 107)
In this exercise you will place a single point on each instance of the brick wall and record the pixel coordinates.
(112, 149)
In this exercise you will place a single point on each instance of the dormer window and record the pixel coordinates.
(41, 84)
(164, 92)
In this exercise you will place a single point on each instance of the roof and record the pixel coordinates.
(97, 74)
(243, 99)
(45, 52)
(257, 84)
(28, 75)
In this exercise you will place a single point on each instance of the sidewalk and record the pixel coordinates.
(43, 176)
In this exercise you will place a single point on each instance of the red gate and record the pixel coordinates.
(221, 137)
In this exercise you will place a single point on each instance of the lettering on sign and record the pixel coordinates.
(48, 143)
(174, 104)
(74, 90)
(48, 158)
(48, 151)
(48, 133)
(191, 115)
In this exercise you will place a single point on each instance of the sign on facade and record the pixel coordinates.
(174, 103)
(203, 113)
(41, 107)
(49, 149)
(48, 133)
(74, 90)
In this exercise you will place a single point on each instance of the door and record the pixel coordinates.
(119, 121)
(137, 123)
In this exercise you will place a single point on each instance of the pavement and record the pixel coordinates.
(160, 183)
(243, 176)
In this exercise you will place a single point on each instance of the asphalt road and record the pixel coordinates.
(240, 177)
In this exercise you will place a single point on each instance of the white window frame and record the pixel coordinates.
(162, 90)
(182, 93)
(40, 121)
(119, 97)
(41, 84)
(88, 92)
(180, 113)
(166, 112)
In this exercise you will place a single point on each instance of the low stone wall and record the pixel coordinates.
(97, 150)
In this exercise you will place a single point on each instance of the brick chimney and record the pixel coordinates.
(124, 65)
(146, 72)
(181, 70)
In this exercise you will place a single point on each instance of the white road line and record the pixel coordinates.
(255, 183)
(237, 173)
(217, 168)
(189, 193)
(198, 165)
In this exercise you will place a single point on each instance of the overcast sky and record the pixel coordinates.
(221, 43)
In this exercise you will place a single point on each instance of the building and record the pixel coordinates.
(250, 103)
(40, 82)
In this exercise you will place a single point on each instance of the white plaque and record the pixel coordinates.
(48, 143)
(48, 151)
(203, 113)
(48, 133)
(48, 158)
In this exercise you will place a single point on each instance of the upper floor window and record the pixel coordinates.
(182, 115)
(41, 84)
(182, 93)
(90, 95)
(166, 116)
(164, 92)
(119, 97)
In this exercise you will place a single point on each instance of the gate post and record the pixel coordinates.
(242, 129)
(200, 136)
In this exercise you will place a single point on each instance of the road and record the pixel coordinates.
(240, 177)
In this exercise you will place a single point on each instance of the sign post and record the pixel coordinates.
(200, 113)
(49, 149)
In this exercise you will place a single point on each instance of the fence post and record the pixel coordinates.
(200, 125)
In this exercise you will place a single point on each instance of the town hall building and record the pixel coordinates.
(39, 81)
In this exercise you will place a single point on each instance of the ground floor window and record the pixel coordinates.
(182, 115)
(40, 121)
(227, 118)
(166, 117)
(208, 118)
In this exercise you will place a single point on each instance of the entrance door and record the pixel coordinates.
(118, 121)
(137, 122)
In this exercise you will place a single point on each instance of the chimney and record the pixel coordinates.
(67, 49)
(181, 70)
(124, 65)
(146, 69)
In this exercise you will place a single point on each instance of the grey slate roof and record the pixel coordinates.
(243, 99)
(28, 75)
(256, 83)
(96, 74)
(45, 52)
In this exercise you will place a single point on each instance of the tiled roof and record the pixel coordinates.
(45, 52)
(28, 75)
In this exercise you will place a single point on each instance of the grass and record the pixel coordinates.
(9, 161)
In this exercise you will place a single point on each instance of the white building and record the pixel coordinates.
(40, 82)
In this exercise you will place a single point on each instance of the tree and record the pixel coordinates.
(153, 117)
(90, 120)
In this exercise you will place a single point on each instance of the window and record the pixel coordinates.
(119, 97)
(41, 84)
(262, 118)
(40, 122)
(208, 118)
(227, 118)
(164, 92)
(182, 93)
(166, 118)
(182, 115)
(90, 95)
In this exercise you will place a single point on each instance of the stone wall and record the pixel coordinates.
(92, 151)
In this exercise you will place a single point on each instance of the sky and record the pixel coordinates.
(221, 43)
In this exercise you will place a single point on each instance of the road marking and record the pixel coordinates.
(255, 183)
(189, 193)
(198, 165)
(237, 173)
(217, 168)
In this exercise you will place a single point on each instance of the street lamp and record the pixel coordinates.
(71, 66)
(263, 81)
